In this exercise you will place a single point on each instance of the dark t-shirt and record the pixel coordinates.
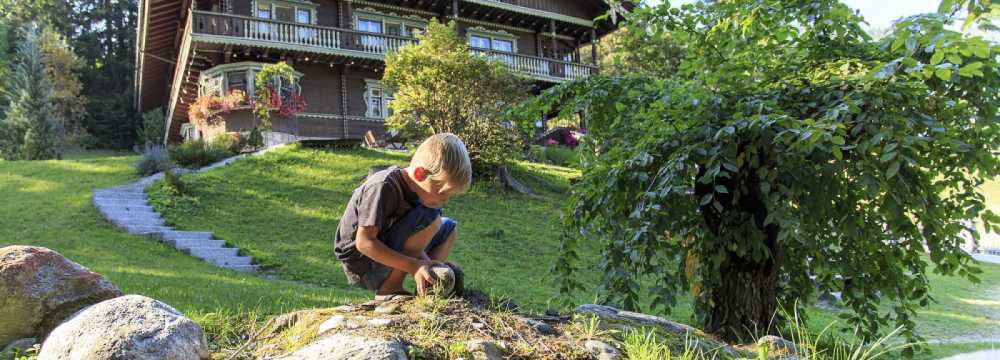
(380, 201)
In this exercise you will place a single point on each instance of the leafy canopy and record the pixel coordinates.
(440, 86)
(789, 139)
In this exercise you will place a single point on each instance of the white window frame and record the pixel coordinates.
(385, 96)
(215, 81)
(294, 5)
(407, 25)
(492, 36)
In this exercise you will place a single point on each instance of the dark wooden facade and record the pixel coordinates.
(181, 40)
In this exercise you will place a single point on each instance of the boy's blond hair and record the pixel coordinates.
(446, 158)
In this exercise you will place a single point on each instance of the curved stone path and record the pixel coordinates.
(127, 207)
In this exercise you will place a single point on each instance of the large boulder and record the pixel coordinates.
(130, 327)
(348, 347)
(41, 288)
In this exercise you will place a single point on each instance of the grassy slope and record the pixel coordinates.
(48, 203)
(283, 207)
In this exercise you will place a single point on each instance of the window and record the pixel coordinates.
(489, 41)
(225, 79)
(292, 12)
(367, 25)
(377, 99)
(236, 81)
(389, 25)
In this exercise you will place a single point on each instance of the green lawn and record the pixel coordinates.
(282, 208)
(48, 203)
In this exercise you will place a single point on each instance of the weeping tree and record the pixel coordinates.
(28, 131)
(440, 86)
(789, 151)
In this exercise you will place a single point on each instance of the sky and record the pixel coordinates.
(878, 13)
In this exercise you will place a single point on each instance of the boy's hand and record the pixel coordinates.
(424, 277)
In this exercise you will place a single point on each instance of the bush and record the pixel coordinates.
(232, 143)
(554, 154)
(174, 182)
(562, 156)
(153, 127)
(195, 154)
(153, 160)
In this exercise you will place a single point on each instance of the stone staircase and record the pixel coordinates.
(127, 207)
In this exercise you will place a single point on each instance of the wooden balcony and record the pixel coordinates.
(247, 31)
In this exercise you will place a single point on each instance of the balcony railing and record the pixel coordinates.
(261, 32)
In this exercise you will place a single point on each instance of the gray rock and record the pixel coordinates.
(485, 350)
(337, 322)
(602, 350)
(633, 318)
(389, 307)
(347, 308)
(41, 288)
(18, 347)
(348, 347)
(445, 285)
(777, 345)
(540, 326)
(381, 322)
(130, 327)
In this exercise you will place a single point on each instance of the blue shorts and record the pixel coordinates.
(395, 237)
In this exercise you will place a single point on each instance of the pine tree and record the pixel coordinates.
(29, 132)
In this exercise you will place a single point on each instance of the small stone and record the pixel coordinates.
(19, 346)
(540, 326)
(387, 308)
(346, 308)
(602, 350)
(777, 345)
(350, 348)
(336, 322)
(381, 322)
(552, 312)
(485, 350)
(478, 325)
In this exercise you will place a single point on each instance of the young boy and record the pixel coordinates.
(393, 225)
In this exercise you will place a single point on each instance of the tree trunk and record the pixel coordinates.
(744, 303)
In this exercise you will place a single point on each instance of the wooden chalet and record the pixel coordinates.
(192, 48)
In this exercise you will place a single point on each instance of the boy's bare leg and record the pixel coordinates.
(440, 253)
(413, 247)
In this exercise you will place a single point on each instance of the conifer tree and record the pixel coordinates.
(28, 132)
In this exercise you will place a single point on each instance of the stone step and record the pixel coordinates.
(138, 214)
(187, 244)
(119, 202)
(145, 230)
(178, 235)
(130, 189)
(231, 260)
(125, 208)
(218, 252)
(118, 194)
(242, 268)
(136, 221)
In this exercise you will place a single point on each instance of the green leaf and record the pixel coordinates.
(972, 69)
(893, 169)
(837, 153)
(943, 74)
(911, 44)
(886, 157)
(706, 199)
(937, 57)
(721, 189)
(981, 50)
(955, 59)
(946, 7)
(838, 140)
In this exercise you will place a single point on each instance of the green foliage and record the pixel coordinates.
(432, 83)
(28, 131)
(232, 143)
(196, 154)
(62, 68)
(174, 183)
(788, 145)
(153, 159)
(154, 127)
(255, 140)
(265, 90)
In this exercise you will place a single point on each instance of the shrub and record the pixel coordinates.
(153, 127)
(232, 143)
(536, 154)
(562, 156)
(196, 154)
(153, 160)
(174, 182)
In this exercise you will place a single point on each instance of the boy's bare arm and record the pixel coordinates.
(368, 244)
